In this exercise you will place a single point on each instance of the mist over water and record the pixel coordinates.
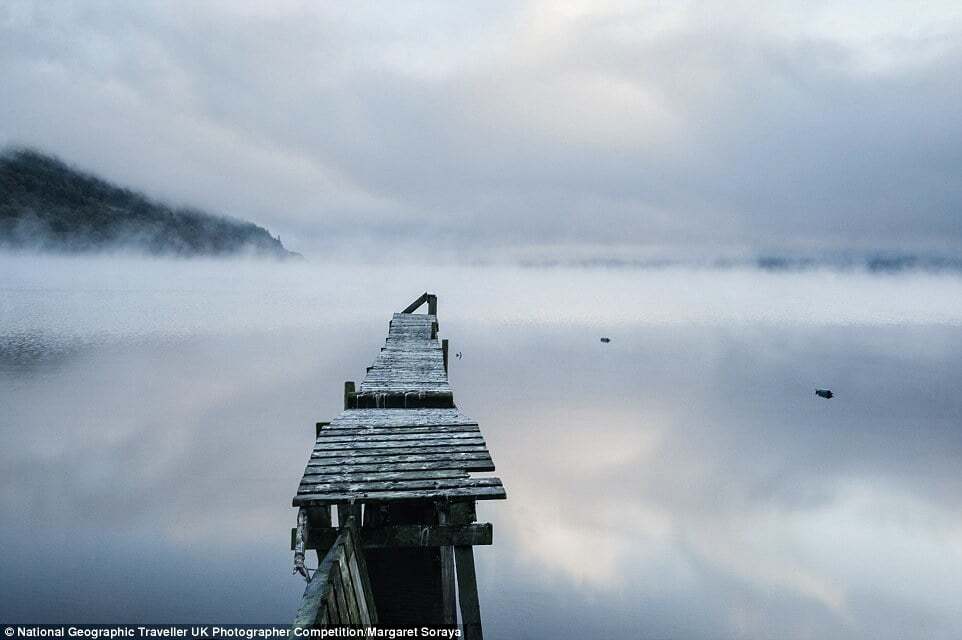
(682, 481)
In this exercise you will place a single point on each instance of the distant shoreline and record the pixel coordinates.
(47, 206)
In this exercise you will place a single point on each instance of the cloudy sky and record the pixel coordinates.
(595, 126)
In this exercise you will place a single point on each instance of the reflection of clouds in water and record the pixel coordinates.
(171, 431)
(551, 524)
(682, 481)
(725, 474)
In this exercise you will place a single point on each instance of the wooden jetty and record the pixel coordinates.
(395, 467)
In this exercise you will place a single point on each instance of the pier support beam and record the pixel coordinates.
(468, 593)
(449, 605)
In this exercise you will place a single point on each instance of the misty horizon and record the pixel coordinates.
(33, 182)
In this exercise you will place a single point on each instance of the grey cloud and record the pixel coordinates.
(509, 125)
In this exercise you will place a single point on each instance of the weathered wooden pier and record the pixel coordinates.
(395, 466)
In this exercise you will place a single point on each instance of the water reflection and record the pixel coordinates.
(682, 481)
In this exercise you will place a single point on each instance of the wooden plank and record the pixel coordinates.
(431, 369)
(474, 440)
(392, 363)
(355, 578)
(411, 308)
(403, 398)
(468, 593)
(399, 394)
(415, 356)
(400, 418)
(333, 610)
(325, 459)
(362, 598)
(396, 485)
(465, 493)
(406, 381)
(414, 438)
(382, 476)
(408, 535)
(414, 381)
(350, 595)
(479, 464)
(343, 613)
(430, 362)
(371, 430)
(360, 567)
(319, 457)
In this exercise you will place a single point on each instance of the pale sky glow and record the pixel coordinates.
(511, 126)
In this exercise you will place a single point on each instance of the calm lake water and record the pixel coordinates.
(682, 481)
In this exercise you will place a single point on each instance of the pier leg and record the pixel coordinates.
(347, 511)
(318, 518)
(448, 593)
(348, 392)
(468, 593)
(444, 353)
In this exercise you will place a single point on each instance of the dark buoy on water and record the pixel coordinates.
(606, 340)
(824, 393)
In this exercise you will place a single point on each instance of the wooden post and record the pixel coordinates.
(432, 304)
(444, 353)
(347, 511)
(318, 427)
(318, 519)
(448, 594)
(348, 392)
(300, 543)
(468, 593)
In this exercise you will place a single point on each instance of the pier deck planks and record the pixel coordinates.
(378, 454)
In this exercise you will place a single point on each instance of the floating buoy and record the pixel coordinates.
(824, 393)
(606, 340)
